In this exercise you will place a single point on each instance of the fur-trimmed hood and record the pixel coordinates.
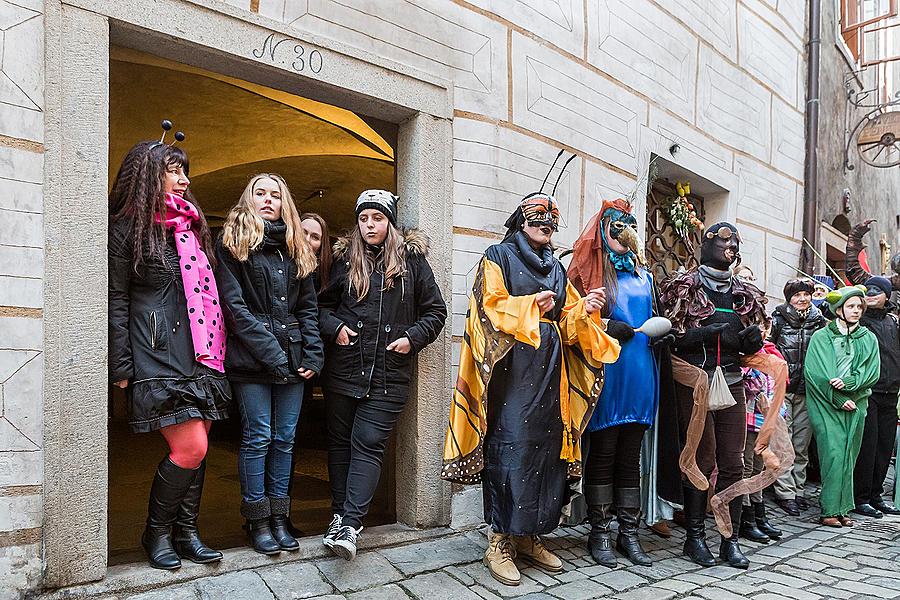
(415, 243)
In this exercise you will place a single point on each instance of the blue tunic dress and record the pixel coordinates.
(632, 383)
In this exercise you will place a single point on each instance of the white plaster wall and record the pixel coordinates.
(610, 80)
(21, 292)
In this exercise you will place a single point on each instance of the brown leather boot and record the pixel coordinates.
(532, 549)
(498, 558)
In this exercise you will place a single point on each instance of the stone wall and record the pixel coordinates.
(875, 193)
(21, 291)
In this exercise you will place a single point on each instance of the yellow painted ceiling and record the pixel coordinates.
(236, 129)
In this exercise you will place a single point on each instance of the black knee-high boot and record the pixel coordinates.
(628, 511)
(599, 500)
(730, 551)
(695, 547)
(169, 487)
(185, 535)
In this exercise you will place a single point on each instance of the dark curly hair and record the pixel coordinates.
(137, 197)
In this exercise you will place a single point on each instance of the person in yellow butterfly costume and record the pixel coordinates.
(530, 371)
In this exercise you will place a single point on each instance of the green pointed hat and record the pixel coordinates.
(837, 298)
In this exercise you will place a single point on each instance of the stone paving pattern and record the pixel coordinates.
(811, 562)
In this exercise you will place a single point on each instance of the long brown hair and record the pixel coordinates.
(391, 260)
(244, 229)
(137, 196)
(325, 254)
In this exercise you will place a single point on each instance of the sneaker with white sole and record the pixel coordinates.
(332, 531)
(344, 544)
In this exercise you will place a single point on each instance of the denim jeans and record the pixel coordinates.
(269, 416)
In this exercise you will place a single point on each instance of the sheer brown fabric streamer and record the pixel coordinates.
(773, 441)
(693, 377)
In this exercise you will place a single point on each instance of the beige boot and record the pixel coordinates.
(533, 550)
(498, 558)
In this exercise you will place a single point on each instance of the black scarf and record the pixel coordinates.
(275, 234)
(539, 260)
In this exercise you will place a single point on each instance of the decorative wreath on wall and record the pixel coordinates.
(680, 213)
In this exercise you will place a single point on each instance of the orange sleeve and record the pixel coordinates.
(587, 331)
(517, 316)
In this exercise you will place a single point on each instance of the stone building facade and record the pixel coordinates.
(485, 93)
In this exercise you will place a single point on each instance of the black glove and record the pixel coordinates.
(620, 330)
(662, 342)
(282, 371)
(751, 340)
(712, 333)
(701, 335)
(731, 340)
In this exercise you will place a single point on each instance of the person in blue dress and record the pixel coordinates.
(608, 255)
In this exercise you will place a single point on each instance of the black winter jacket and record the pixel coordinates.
(413, 307)
(272, 317)
(150, 341)
(883, 323)
(791, 334)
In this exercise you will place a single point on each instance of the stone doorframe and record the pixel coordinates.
(213, 35)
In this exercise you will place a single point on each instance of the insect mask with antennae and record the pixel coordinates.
(538, 209)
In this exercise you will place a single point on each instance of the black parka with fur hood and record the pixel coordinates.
(413, 307)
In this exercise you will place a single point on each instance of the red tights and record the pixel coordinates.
(187, 442)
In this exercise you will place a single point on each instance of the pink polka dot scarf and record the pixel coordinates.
(200, 291)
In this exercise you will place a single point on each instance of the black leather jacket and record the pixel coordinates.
(791, 334)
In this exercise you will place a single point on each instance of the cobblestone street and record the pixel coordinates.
(810, 562)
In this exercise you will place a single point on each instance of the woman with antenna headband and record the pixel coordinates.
(166, 337)
(530, 370)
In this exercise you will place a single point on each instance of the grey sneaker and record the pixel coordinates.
(344, 544)
(332, 531)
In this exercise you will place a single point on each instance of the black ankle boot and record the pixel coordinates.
(628, 501)
(695, 547)
(185, 535)
(599, 501)
(730, 551)
(258, 528)
(762, 521)
(748, 529)
(166, 494)
(281, 508)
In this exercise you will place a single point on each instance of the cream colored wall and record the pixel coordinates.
(21, 290)
(612, 81)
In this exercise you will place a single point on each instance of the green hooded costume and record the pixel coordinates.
(854, 358)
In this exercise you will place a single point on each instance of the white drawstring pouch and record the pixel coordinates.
(719, 395)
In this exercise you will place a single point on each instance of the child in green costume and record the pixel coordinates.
(842, 364)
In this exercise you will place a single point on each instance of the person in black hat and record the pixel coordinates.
(716, 319)
(793, 324)
(380, 308)
(881, 419)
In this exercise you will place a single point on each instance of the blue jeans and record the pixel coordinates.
(269, 416)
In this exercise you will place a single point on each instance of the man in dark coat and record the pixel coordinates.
(881, 419)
